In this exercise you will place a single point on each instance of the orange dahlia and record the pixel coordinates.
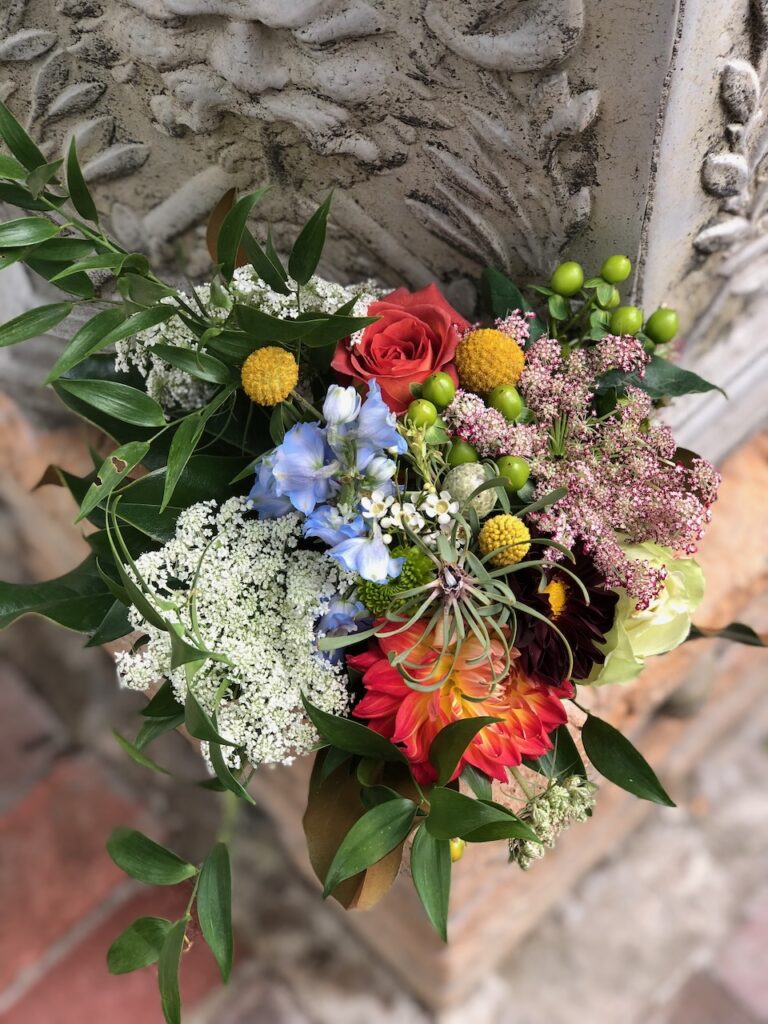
(528, 710)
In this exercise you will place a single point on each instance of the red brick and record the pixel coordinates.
(54, 868)
(30, 736)
(742, 964)
(79, 988)
(702, 1000)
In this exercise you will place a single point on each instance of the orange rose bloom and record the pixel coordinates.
(528, 710)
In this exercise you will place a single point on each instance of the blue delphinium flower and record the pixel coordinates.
(264, 498)
(369, 557)
(304, 467)
(341, 405)
(377, 425)
(342, 618)
(332, 526)
(377, 471)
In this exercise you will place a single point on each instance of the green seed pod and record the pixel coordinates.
(462, 480)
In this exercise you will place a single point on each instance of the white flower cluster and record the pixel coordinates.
(324, 296)
(561, 805)
(427, 515)
(240, 586)
(173, 388)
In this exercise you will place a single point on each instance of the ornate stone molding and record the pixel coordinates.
(450, 118)
(735, 172)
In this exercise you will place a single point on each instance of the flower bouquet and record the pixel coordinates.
(351, 523)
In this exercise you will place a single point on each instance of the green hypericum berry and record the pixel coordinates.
(421, 413)
(439, 389)
(514, 470)
(616, 269)
(461, 452)
(662, 325)
(506, 400)
(614, 300)
(567, 278)
(626, 320)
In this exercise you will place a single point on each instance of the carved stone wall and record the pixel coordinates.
(457, 132)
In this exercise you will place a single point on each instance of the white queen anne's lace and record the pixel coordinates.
(258, 600)
(175, 389)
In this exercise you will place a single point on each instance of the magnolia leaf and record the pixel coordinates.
(200, 724)
(163, 703)
(78, 600)
(333, 806)
(374, 835)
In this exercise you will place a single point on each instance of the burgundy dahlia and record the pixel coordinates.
(543, 656)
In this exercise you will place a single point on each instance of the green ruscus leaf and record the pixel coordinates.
(119, 400)
(308, 247)
(478, 821)
(736, 632)
(562, 760)
(138, 946)
(168, 971)
(449, 745)
(214, 906)
(620, 762)
(33, 323)
(113, 470)
(17, 140)
(431, 871)
(370, 839)
(26, 231)
(351, 736)
(141, 857)
(232, 228)
(78, 190)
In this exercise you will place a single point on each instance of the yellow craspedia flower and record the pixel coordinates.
(269, 375)
(506, 532)
(487, 358)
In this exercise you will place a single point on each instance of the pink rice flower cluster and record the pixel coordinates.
(470, 419)
(516, 325)
(624, 484)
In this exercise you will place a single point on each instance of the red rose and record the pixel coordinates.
(416, 336)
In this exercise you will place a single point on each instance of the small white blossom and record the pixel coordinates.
(440, 507)
(258, 600)
(377, 505)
